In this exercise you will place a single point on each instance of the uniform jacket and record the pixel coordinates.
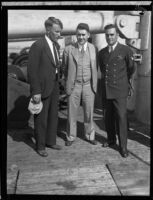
(70, 60)
(41, 68)
(117, 68)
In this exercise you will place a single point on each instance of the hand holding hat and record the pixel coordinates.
(35, 108)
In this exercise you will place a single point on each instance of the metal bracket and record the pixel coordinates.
(128, 26)
(135, 43)
(137, 58)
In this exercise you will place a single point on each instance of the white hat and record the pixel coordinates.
(35, 108)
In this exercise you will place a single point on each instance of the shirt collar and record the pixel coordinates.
(48, 40)
(114, 45)
(84, 46)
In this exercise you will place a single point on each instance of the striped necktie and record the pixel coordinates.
(55, 55)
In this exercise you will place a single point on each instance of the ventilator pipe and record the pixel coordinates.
(29, 23)
(143, 96)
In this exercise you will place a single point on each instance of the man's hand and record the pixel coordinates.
(36, 98)
(63, 83)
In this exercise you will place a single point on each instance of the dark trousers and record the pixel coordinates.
(46, 121)
(116, 120)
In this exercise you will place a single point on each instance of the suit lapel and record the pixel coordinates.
(114, 53)
(91, 52)
(75, 52)
(48, 52)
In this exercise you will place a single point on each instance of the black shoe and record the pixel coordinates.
(108, 144)
(124, 153)
(68, 143)
(94, 142)
(42, 153)
(55, 146)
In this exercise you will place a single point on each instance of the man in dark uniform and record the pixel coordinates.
(43, 73)
(117, 66)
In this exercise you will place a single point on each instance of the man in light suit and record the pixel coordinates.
(43, 69)
(80, 69)
(117, 66)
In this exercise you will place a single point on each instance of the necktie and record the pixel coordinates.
(55, 54)
(82, 50)
(110, 49)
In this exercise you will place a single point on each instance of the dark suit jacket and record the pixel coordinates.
(117, 68)
(41, 68)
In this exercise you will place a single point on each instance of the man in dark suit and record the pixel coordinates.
(43, 68)
(117, 66)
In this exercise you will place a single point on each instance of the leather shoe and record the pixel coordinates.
(68, 143)
(124, 153)
(42, 153)
(94, 142)
(108, 144)
(55, 146)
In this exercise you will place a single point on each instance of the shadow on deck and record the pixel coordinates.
(81, 169)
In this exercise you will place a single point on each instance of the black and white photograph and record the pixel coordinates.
(78, 98)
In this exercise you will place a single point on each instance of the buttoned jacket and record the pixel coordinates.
(41, 68)
(70, 62)
(117, 68)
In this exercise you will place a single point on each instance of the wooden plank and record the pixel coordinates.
(81, 153)
(142, 153)
(107, 191)
(81, 164)
(131, 178)
(78, 191)
(72, 171)
(12, 177)
(85, 180)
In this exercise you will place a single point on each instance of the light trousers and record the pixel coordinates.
(85, 92)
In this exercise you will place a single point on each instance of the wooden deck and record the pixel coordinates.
(81, 169)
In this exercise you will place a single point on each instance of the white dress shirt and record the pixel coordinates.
(82, 46)
(50, 43)
(112, 46)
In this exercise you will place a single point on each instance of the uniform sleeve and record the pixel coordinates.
(32, 69)
(100, 63)
(130, 63)
(99, 60)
